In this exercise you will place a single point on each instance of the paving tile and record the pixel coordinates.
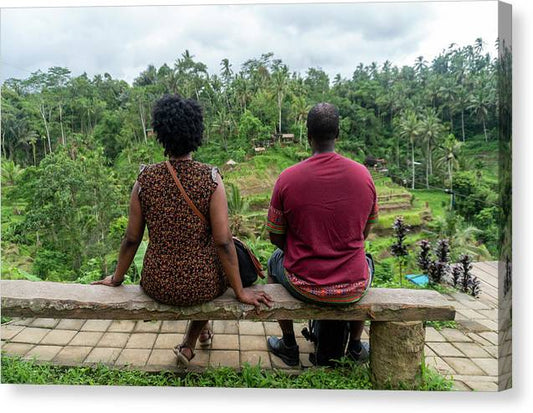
(70, 324)
(44, 322)
(472, 350)
(298, 327)
(305, 346)
(464, 378)
(226, 327)
(30, 335)
(8, 331)
(86, 338)
(460, 386)
(472, 326)
(105, 355)
(174, 326)
(18, 349)
(24, 321)
(272, 329)
(110, 339)
(96, 325)
(489, 324)
(58, 337)
(469, 314)
(226, 341)
(463, 366)
(141, 340)
(445, 350)
(251, 328)
(492, 350)
(122, 326)
(433, 335)
(256, 357)
(147, 326)
(201, 359)
(224, 358)
(478, 339)
(491, 314)
(439, 364)
(162, 357)
(253, 343)
(304, 360)
(490, 336)
(43, 353)
(454, 335)
(133, 357)
(168, 341)
(488, 365)
(71, 355)
(428, 351)
(481, 385)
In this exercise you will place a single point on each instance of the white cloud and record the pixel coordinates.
(336, 37)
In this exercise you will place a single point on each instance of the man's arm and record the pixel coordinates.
(367, 229)
(278, 240)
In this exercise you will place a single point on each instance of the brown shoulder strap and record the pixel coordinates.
(184, 194)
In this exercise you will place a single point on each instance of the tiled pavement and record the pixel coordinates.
(468, 353)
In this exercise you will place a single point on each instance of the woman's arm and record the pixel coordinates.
(218, 213)
(131, 241)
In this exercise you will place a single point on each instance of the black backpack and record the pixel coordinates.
(330, 338)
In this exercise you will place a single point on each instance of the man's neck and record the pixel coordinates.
(323, 149)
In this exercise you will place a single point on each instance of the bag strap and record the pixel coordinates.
(184, 194)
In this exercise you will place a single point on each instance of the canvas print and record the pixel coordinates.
(275, 196)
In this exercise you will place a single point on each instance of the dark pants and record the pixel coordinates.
(277, 272)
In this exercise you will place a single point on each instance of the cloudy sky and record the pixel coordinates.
(335, 37)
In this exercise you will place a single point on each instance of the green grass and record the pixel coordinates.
(439, 325)
(347, 376)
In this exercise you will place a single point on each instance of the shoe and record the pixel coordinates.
(359, 355)
(182, 359)
(289, 355)
(206, 337)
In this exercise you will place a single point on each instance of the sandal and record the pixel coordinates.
(183, 360)
(206, 337)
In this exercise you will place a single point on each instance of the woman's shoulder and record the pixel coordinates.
(210, 171)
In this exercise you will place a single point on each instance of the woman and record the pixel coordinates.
(187, 262)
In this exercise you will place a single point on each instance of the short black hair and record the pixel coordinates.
(323, 122)
(178, 123)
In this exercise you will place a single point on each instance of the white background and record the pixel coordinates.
(140, 399)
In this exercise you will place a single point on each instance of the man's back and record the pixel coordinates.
(323, 205)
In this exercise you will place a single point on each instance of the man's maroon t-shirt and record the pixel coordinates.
(323, 205)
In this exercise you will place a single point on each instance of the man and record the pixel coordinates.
(320, 213)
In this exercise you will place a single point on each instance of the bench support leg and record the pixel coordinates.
(396, 350)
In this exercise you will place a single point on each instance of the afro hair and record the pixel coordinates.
(178, 123)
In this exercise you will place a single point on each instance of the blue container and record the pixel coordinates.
(419, 279)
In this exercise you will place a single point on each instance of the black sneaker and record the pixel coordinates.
(289, 355)
(359, 355)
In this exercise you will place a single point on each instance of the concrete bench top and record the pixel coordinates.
(22, 298)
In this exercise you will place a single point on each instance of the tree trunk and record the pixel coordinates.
(61, 125)
(141, 114)
(427, 168)
(41, 109)
(463, 123)
(413, 164)
(485, 131)
(397, 353)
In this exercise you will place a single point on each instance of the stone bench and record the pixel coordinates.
(396, 315)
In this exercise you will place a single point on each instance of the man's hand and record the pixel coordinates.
(107, 281)
(255, 298)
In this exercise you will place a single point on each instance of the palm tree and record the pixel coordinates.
(480, 105)
(430, 131)
(299, 110)
(280, 85)
(410, 129)
(450, 152)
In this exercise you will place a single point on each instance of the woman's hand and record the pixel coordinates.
(107, 281)
(255, 298)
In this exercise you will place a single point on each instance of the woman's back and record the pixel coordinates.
(181, 265)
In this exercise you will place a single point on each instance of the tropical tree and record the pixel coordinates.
(430, 132)
(409, 128)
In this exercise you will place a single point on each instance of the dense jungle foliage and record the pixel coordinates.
(72, 145)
